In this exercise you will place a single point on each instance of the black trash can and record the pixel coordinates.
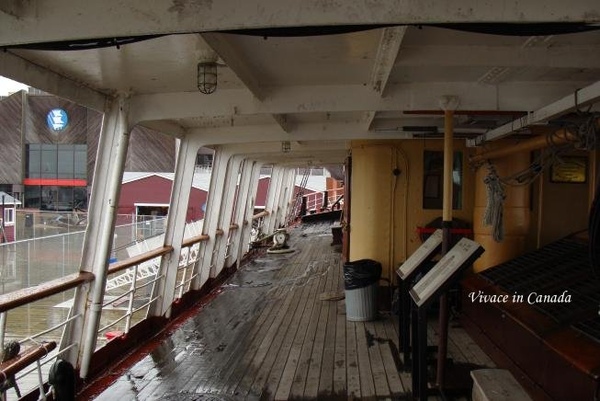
(28, 220)
(361, 279)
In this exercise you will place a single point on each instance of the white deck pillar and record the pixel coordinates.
(246, 227)
(286, 196)
(281, 199)
(271, 204)
(175, 230)
(239, 213)
(211, 217)
(226, 211)
(110, 161)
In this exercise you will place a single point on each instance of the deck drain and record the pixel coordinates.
(185, 396)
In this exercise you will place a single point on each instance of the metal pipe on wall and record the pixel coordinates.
(558, 138)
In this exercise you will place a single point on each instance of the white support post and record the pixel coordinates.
(249, 211)
(271, 204)
(239, 214)
(226, 211)
(281, 199)
(211, 217)
(175, 230)
(282, 193)
(288, 195)
(106, 187)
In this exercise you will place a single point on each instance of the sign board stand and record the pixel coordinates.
(413, 266)
(435, 283)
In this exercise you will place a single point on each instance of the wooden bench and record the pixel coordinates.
(496, 385)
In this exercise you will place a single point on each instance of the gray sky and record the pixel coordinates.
(7, 85)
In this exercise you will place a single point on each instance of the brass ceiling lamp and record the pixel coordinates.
(207, 77)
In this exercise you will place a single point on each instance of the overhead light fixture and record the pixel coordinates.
(286, 146)
(207, 77)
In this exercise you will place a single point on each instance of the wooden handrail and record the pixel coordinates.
(136, 260)
(261, 214)
(28, 295)
(15, 365)
(193, 240)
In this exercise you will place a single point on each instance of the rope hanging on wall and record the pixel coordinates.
(494, 210)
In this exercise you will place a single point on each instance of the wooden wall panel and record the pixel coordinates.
(37, 131)
(10, 139)
(150, 151)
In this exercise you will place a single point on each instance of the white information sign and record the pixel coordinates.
(460, 254)
(424, 252)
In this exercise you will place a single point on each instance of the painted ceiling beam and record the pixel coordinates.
(38, 21)
(385, 58)
(233, 58)
(21, 70)
(557, 56)
(578, 99)
(503, 69)
(387, 52)
(344, 98)
(304, 133)
(166, 127)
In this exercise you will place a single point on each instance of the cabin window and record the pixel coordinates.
(433, 176)
(9, 216)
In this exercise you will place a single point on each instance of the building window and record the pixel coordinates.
(433, 185)
(9, 216)
(50, 161)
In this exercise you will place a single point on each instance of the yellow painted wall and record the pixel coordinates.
(564, 207)
(384, 221)
(516, 212)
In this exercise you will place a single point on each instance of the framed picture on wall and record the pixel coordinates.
(569, 169)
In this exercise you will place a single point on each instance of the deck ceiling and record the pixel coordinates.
(386, 77)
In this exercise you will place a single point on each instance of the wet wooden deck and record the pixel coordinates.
(268, 335)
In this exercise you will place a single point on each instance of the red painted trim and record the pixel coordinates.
(63, 182)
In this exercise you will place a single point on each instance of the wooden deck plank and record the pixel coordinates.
(339, 369)
(203, 382)
(275, 374)
(269, 344)
(269, 389)
(288, 376)
(390, 357)
(391, 327)
(367, 386)
(254, 381)
(224, 370)
(328, 363)
(378, 372)
(352, 366)
(317, 371)
(304, 360)
(272, 340)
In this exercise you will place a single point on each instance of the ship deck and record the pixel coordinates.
(278, 330)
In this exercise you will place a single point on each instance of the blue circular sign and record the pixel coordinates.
(57, 119)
